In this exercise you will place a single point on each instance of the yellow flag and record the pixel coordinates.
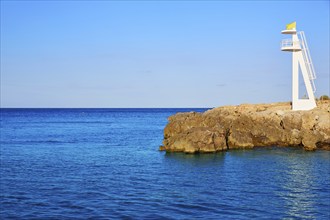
(291, 26)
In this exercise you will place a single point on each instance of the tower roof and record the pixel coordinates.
(293, 31)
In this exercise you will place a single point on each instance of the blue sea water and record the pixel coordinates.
(105, 164)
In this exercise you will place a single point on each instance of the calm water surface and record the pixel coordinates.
(105, 164)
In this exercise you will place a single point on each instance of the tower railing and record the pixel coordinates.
(290, 44)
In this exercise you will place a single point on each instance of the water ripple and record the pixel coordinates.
(103, 164)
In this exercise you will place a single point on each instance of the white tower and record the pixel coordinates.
(300, 57)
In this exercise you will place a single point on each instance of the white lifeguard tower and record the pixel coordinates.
(300, 57)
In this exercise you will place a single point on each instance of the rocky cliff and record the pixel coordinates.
(248, 126)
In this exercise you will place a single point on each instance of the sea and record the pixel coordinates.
(105, 164)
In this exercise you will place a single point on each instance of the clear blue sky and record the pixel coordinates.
(154, 54)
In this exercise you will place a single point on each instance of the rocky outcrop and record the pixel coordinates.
(248, 126)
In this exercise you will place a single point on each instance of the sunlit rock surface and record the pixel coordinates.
(248, 126)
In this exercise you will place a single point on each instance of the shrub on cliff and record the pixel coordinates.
(324, 97)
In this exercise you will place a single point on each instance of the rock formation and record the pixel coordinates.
(248, 126)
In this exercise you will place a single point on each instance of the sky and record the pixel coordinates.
(148, 54)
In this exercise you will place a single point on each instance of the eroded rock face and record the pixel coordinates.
(248, 126)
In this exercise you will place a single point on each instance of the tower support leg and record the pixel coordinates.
(301, 104)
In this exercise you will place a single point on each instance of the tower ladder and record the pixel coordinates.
(307, 59)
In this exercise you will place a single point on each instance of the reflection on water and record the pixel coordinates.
(286, 182)
(298, 186)
(197, 159)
